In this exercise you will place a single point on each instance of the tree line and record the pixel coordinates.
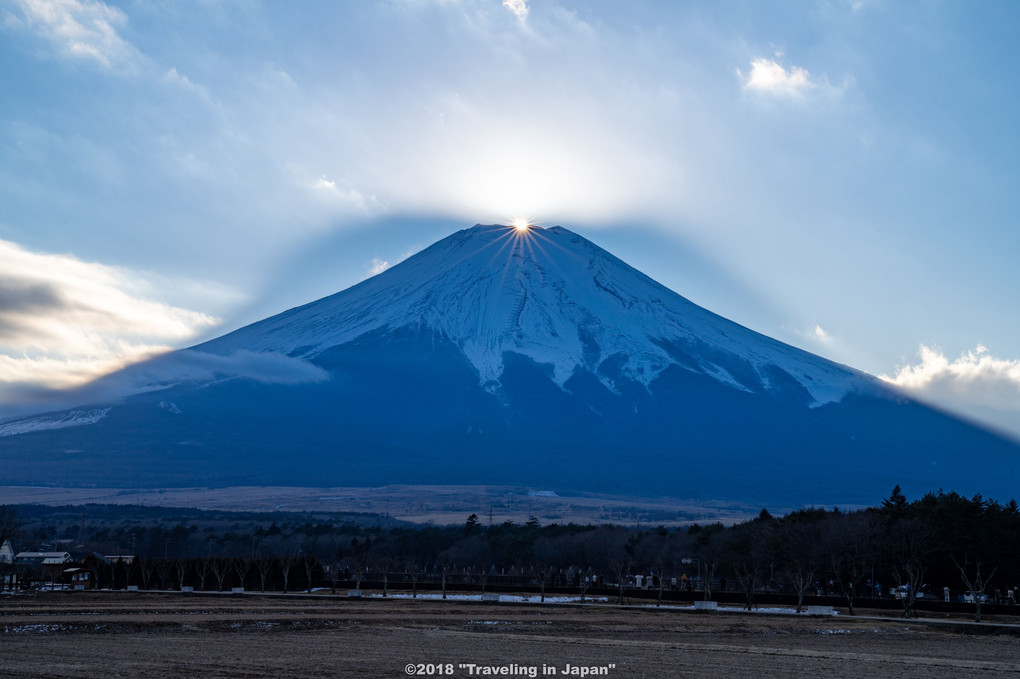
(907, 549)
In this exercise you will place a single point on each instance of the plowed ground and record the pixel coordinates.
(142, 635)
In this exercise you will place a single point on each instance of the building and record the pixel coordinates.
(42, 565)
(79, 578)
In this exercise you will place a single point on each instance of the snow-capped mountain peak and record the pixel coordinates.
(504, 357)
(552, 296)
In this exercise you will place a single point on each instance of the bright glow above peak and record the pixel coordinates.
(521, 225)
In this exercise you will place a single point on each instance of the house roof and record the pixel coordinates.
(45, 558)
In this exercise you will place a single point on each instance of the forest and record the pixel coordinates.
(942, 544)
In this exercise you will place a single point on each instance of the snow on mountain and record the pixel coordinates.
(72, 418)
(554, 297)
(496, 356)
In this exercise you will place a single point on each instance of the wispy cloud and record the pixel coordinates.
(976, 384)
(191, 365)
(64, 321)
(79, 29)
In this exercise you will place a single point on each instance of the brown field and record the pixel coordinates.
(142, 635)
(416, 504)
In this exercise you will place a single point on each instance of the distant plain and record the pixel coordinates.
(415, 504)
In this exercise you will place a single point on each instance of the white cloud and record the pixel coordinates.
(771, 77)
(378, 265)
(818, 333)
(518, 7)
(80, 29)
(977, 384)
(64, 322)
(191, 365)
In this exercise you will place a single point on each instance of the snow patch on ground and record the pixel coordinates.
(515, 598)
(171, 406)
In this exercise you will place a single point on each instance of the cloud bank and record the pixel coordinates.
(190, 365)
(977, 384)
(155, 374)
(64, 322)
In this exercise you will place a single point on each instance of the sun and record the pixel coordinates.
(521, 225)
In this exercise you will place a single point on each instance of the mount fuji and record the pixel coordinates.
(508, 356)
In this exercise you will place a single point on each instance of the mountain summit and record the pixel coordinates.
(503, 355)
(557, 299)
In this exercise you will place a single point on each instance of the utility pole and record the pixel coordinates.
(81, 531)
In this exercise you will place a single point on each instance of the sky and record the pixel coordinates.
(840, 175)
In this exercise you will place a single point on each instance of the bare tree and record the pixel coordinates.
(147, 566)
(92, 564)
(910, 544)
(220, 569)
(384, 564)
(661, 559)
(333, 571)
(709, 547)
(799, 546)
(358, 565)
(620, 568)
(132, 567)
(749, 551)
(748, 573)
(241, 567)
(163, 569)
(264, 566)
(202, 569)
(286, 563)
(120, 566)
(446, 560)
(850, 540)
(309, 563)
(181, 566)
(412, 572)
(584, 582)
(975, 583)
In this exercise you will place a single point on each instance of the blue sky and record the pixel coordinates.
(840, 175)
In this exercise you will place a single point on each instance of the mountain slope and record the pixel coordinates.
(496, 356)
(554, 297)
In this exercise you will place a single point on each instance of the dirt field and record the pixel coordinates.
(143, 635)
